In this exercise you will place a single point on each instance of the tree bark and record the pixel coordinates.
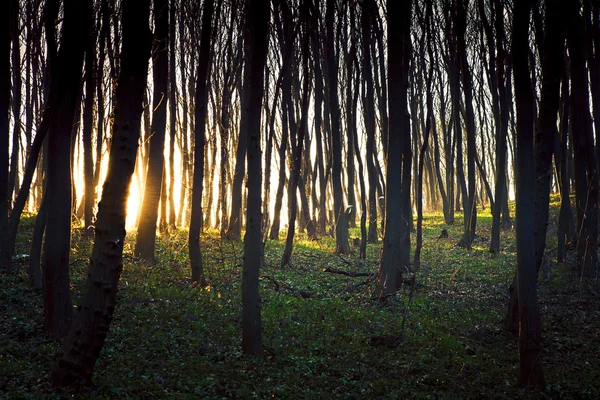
(146, 236)
(341, 222)
(255, 49)
(64, 96)
(5, 83)
(202, 77)
(395, 230)
(530, 373)
(90, 327)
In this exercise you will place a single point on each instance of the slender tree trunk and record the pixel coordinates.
(5, 8)
(470, 211)
(64, 96)
(395, 230)
(146, 236)
(17, 82)
(369, 117)
(586, 172)
(88, 120)
(200, 119)
(552, 61)
(341, 223)
(85, 340)
(530, 332)
(172, 113)
(255, 49)
(298, 150)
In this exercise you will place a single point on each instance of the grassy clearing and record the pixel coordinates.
(324, 336)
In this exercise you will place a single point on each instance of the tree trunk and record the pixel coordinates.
(64, 96)
(255, 50)
(395, 230)
(86, 135)
(470, 209)
(530, 373)
(90, 327)
(5, 7)
(586, 172)
(369, 117)
(298, 148)
(341, 222)
(146, 236)
(16, 96)
(200, 119)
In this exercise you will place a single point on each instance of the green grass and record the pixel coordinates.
(324, 335)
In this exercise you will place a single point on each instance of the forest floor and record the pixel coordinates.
(324, 335)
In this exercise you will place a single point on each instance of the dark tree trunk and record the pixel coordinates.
(552, 60)
(298, 147)
(470, 209)
(566, 228)
(586, 172)
(85, 340)
(255, 50)
(497, 79)
(146, 235)
(17, 82)
(64, 96)
(200, 118)
(5, 7)
(369, 117)
(530, 332)
(395, 230)
(322, 220)
(351, 60)
(341, 222)
(88, 120)
(172, 113)
(430, 120)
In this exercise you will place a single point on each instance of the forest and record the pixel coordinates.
(299, 199)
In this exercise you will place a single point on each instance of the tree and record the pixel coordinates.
(90, 326)
(530, 372)
(64, 96)
(255, 52)
(586, 169)
(369, 110)
(146, 237)
(470, 209)
(200, 119)
(341, 222)
(298, 141)
(4, 126)
(395, 252)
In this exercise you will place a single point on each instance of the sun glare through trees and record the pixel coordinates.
(299, 198)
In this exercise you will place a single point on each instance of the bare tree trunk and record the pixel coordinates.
(5, 7)
(82, 346)
(146, 237)
(255, 48)
(398, 29)
(202, 77)
(530, 373)
(64, 96)
(341, 223)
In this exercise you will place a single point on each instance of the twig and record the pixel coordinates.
(350, 274)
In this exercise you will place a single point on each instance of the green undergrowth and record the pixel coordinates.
(324, 335)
